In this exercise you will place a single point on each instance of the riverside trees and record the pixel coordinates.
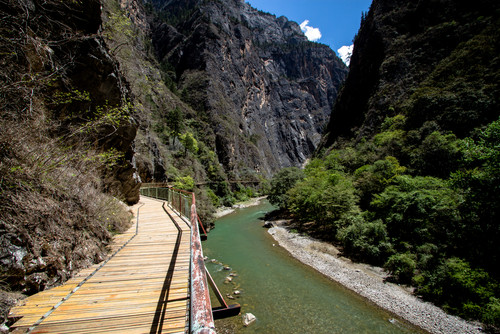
(437, 233)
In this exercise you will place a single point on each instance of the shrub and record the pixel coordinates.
(366, 240)
(184, 183)
(372, 179)
(281, 183)
(401, 266)
(418, 209)
(325, 197)
(463, 290)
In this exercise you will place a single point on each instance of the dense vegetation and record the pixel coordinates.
(439, 234)
(409, 175)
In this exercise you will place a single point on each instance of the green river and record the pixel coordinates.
(285, 295)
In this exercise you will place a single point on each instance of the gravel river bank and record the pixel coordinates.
(368, 281)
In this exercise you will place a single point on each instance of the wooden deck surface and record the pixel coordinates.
(143, 288)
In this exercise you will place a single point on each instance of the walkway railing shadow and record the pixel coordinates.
(201, 311)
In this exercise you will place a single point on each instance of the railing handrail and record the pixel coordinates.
(201, 319)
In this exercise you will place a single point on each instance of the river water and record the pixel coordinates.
(285, 295)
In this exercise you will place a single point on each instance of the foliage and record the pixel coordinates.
(422, 151)
(366, 240)
(424, 223)
(190, 144)
(281, 183)
(437, 155)
(372, 179)
(402, 266)
(418, 209)
(175, 122)
(479, 182)
(184, 183)
(462, 289)
(325, 197)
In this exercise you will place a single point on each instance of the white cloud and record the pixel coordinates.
(312, 34)
(345, 53)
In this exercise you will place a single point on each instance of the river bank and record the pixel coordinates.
(368, 281)
(226, 210)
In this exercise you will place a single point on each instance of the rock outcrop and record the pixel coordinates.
(58, 80)
(264, 89)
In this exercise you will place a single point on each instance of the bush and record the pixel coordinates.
(402, 266)
(366, 240)
(418, 210)
(184, 183)
(372, 179)
(491, 314)
(437, 155)
(281, 183)
(463, 290)
(325, 197)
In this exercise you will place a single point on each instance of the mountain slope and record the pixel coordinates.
(405, 50)
(66, 136)
(264, 89)
(411, 160)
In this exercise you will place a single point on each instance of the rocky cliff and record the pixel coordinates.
(265, 91)
(432, 60)
(66, 133)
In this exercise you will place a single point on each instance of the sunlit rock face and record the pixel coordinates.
(265, 89)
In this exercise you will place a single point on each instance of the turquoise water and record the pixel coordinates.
(285, 295)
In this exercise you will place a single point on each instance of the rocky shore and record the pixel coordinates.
(368, 281)
(227, 210)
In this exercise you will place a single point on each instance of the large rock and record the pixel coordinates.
(265, 89)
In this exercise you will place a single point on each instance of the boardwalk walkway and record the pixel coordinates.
(143, 288)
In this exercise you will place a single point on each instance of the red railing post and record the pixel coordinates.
(202, 320)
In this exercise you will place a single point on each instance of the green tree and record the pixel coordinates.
(372, 179)
(366, 241)
(402, 266)
(418, 210)
(324, 197)
(190, 144)
(281, 183)
(479, 183)
(461, 289)
(438, 155)
(175, 121)
(184, 183)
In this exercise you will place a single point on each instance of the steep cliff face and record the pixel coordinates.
(264, 89)
(406, 60)
(66, 138)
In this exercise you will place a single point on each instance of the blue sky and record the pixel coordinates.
(337, 20)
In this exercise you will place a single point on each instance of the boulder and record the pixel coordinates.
(268, 225)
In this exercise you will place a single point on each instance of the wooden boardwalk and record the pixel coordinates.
(142, 288)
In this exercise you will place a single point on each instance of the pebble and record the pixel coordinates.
(248, 319)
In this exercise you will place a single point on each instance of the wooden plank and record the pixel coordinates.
(124, 295)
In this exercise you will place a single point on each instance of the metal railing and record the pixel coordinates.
(179, 200)
(201, 317)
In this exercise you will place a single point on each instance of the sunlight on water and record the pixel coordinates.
(285, 295)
